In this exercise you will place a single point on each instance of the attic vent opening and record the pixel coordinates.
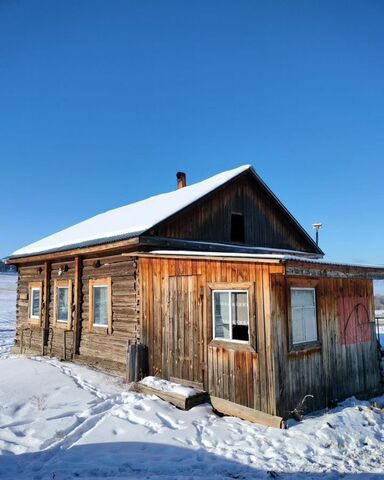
(237, 228)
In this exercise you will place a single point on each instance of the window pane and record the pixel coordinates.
(100, 305)
(35, 302)
(221, 306)
(304, 326)
(298, 326)
(62, 304)
(309, 315)
(303, 298)
(239, 305)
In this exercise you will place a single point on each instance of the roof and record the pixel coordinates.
(130, 220)
(136, 218)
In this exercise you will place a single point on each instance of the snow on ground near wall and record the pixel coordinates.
(69, 421)
(8, 284)
(64, 421)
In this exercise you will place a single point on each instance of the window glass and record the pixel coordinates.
(100, 305)
(221, 300)
(231, 315)
(35, 303)
(303, 305)
(239, 315)
(62, 304)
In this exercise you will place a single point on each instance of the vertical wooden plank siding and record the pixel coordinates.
(177, 327)
(335, 370)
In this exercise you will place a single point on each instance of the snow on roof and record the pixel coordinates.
(130, 220)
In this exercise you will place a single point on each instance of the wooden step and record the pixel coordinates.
(180, 401)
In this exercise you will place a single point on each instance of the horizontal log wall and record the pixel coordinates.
(32, 336)
(108, 351)
(179, 333)
(334, 370)
(60, 344)
(99, 347)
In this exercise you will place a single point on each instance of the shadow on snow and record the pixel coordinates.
(140, 460)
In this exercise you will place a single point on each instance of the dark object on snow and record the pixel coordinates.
(298, 412)
(137, 362)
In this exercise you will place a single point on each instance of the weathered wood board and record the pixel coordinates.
(180, 401)
(235, 410)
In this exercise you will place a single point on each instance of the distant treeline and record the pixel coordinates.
(6, 268)
(379, 302)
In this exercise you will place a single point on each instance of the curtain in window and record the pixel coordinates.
(239, 305)
(222, 322)
(304, 327)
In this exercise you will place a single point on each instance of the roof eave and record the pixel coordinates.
(95, 246)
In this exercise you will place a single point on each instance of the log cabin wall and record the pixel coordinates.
(346, 363)
(176, 322)
(32, 335)
(100, 348)
(60, 337)
(265, 224)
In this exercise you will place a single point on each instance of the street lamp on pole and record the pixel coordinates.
(317, 226)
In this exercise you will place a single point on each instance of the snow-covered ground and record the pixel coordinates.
(64, 421)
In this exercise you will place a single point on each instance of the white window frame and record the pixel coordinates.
(100, 325)
(35, 289)
(304, 342)
(229, 291)
(59, 320)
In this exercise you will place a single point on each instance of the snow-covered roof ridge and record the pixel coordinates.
(129, 220)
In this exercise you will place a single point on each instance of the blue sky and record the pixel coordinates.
(103, 101)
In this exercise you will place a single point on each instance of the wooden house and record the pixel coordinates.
(223, 286)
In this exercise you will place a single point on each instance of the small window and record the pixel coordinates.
(237, 228)
(62, 304)
(231, 315)
(35, 302)
(303, 315)
(100, 305)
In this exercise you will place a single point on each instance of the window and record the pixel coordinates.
(100, 305)
(231, 315)
(35, 301)
(63, 303)
(303, 315)
(100, 314)
(237, 228)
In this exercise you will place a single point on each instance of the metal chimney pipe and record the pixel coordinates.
(181, 180)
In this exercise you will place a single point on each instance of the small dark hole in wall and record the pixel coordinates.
(237, 228)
